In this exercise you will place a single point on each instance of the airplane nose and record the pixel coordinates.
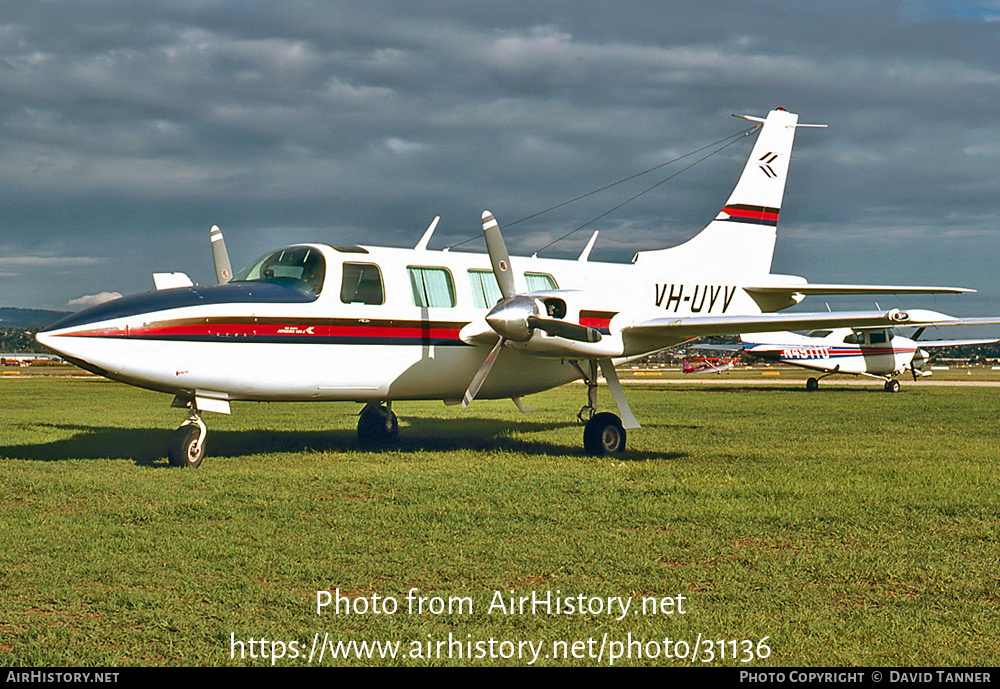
(69, 339)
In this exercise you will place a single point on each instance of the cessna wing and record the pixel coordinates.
(937, 344)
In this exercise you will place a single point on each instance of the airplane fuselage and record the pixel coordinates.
(401, 339)
(878, 353)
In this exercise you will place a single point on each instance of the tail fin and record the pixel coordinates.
(740, 241)
(756, 200)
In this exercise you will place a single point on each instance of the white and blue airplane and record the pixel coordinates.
(881, 353)
(379, 326)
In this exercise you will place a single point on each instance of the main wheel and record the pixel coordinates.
(184, 449)
(377, 426)
(892, 386)
(812, 384)
(603, 434)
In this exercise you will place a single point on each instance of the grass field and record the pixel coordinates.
(845, 527)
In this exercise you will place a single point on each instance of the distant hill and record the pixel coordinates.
(11, 317)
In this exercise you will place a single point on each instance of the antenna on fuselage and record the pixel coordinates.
(585, 254)
(426, 238)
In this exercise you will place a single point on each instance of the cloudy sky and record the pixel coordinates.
(129, 128)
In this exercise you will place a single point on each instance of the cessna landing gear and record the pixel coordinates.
(187, 444)
(812, 384)
(377, 425)
(892, 386)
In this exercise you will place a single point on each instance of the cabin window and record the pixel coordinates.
(362, 284)
(301, 267)
(855, 339)
(485, 290)
(432, 287)
(877, 337)
(540, 281)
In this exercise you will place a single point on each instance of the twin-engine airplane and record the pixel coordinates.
(880, 353)
(380, 325)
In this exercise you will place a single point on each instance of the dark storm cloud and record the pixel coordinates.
(129, 128)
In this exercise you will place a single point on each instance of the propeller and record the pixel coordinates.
(920, 357)
(917, 363)
(223, 270)
(516, 316)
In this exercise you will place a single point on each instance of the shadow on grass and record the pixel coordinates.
(786, 388)
(148, 447)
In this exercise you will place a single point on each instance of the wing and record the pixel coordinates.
(781, 295)
(719, 347)
(807, 289)
(658, 333)
(932, 344)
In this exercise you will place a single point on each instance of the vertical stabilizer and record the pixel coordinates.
(756, 200)
(740, 241)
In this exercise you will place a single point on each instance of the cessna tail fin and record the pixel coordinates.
(740, 240)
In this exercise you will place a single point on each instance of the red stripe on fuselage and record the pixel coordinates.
(298, 330)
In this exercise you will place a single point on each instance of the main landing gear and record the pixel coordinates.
(891, 385)
(377, 425)
(603, 433)
(187, 444)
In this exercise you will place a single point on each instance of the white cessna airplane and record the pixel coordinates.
(873, 352)
(379, 325)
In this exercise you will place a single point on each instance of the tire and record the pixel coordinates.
(812, 384)
(183, 450)
(604, 435)
(377, 426)
(892, 386)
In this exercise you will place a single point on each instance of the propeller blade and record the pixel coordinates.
(498, 255)
(223, 270)
(484, 370)
(566, 329)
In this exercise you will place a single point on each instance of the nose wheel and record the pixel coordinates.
(377, 425)
(187, 444)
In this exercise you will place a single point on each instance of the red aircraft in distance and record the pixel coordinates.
(707, 365)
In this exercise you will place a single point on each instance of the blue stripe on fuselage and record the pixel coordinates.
(258, 292)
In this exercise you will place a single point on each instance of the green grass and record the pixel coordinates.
(848, 527)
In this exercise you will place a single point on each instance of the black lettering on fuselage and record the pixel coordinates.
(710, 298)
